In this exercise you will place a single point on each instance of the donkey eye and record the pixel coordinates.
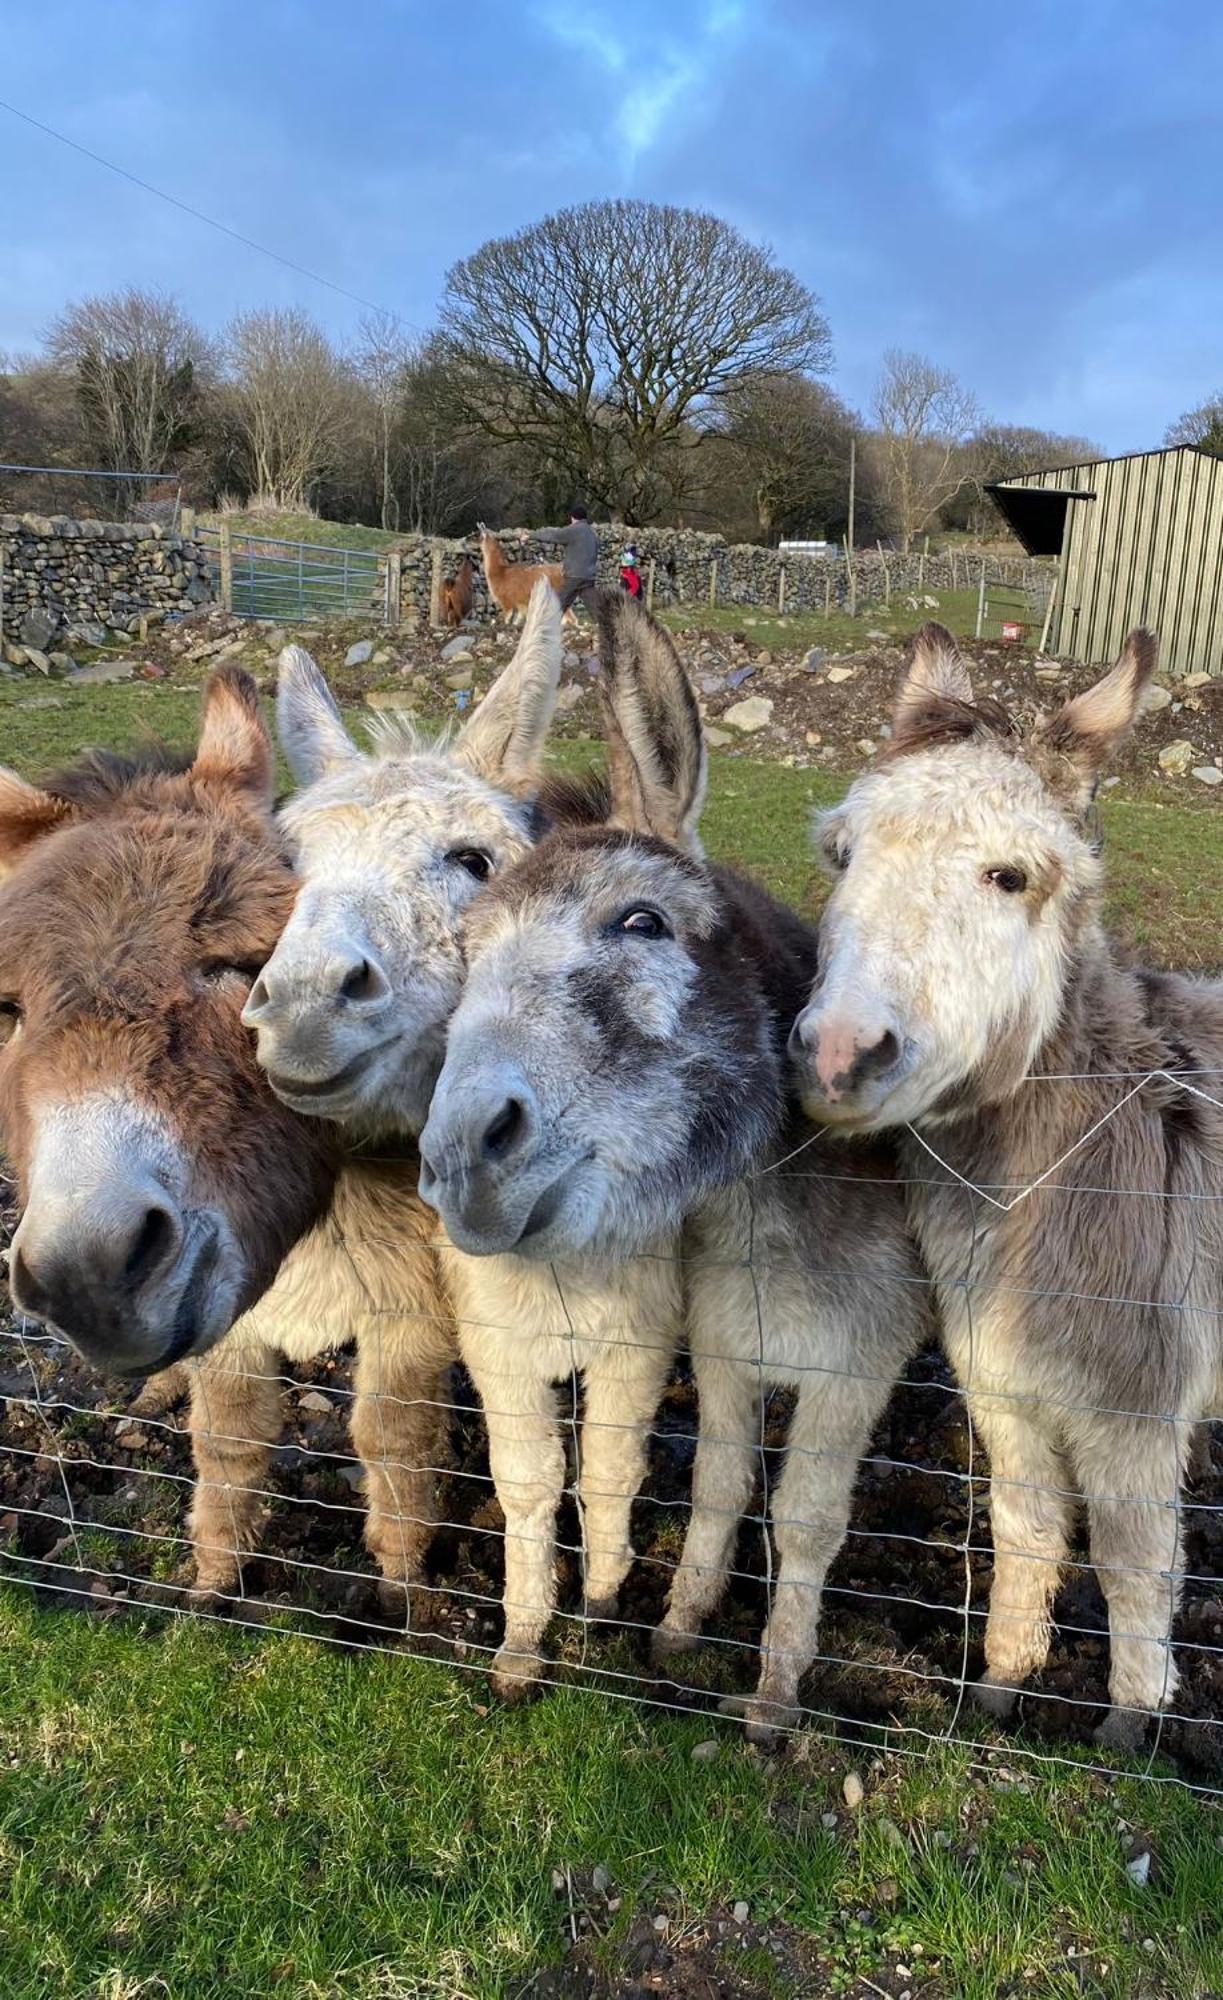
(1011, 881)
(10, 1020)
(642, 922)
(478, 864)
(221, 968)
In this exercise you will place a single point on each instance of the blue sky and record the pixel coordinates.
(1033, 196)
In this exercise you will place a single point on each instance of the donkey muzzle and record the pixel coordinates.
(847, 1063)
(483, 1164)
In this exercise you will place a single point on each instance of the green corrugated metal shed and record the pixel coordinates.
(1140, 541)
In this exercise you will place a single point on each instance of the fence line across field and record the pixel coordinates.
(95, 1510)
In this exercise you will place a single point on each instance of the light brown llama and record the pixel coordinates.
(1061, 1135)
(457, 594)
(510, 584)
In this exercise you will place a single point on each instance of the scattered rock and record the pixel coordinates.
(716, 738)
(62, 662)
(852, 1790)
(102, 672)
(705, 1753)
(315, 1404)
(358, 654)
(1139, 1869)
(750, 715)
(838, 674)
(1177, 758)
(813, 659)
(88, 634)
(38, 628)
(460, 678)
(391, 698)
(36, 659)
(1198, 681)
(454, 650)
(1207, 774)
(865, 747)
(1155, 698)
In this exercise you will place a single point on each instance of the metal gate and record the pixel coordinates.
(274, 578)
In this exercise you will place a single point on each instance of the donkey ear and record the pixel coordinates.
(932, 677)
(1080, 739)
(504, 741)
(234, 748)
(308, 723)
(26, 815)
(657, 765)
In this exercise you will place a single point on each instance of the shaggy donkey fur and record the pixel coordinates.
(615, 1070)
(970, 997)
(161, 1182)
(351, 1013)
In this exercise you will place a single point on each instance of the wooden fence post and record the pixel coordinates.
(887, 575)
(394, 586)
(186, 524)
(851, 581)
(713, 581)
(225, 539)
(781, 588)
(649, 585)
(435, 586)
(827, 593)
(981, 600)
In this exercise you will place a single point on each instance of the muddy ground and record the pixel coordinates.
(93, 1506)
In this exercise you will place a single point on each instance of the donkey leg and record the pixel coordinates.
(1131, 1473)
(620, 1407)
(161, 1392)
(398, 1431)
(727, 1452)
(236, 1419)
(527, 1460)
(1030, 1510)
(828, 1437)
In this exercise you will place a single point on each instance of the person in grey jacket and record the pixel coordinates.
(581, 562)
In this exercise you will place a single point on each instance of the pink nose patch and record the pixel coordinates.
(835, 1055)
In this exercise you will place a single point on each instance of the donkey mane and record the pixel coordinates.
(947, 720)
(103, 777)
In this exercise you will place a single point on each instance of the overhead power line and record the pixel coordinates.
(198, 214)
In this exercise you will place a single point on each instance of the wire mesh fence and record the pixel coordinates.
(357, 1504)
(276, 578)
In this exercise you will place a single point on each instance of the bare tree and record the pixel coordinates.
(599, 342)
(384, 357)
(140, 367)
(924, 417)
(786, 442)
(1202, 426)
(292, 397)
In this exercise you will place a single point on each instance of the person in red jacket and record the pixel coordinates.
(630, 572)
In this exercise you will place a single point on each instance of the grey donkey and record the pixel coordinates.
(615, 1073)
(1061, 1133)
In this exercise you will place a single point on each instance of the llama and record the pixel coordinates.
(616, 1070)
(162, 1182)
(457, 594)
(510, 584)
(970, 999)
(351, 1015)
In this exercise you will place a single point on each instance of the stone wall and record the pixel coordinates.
(690, 567)
(65, 583)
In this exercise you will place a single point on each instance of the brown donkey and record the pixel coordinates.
(1065, 1170)
(160, 1181)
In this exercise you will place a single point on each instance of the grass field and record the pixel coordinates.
(193, 1811)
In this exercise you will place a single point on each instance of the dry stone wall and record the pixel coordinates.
(65, 582)
(690, 567)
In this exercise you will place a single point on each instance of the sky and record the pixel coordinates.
(1032, 196)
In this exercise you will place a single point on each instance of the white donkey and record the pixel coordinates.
(351, 1014)
(1065, 1171)
(369, 1272)
(616, 1067)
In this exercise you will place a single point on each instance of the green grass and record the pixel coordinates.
(304, 528)
(241, 1816)
(838, 632)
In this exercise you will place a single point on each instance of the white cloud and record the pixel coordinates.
(662, 79)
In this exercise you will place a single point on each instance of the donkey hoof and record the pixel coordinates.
(995, 1698)
(394, 1601)
(515, 1676)
(668, 1643)
(1121, 1729)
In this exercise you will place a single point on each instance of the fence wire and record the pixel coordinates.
(234, 1490)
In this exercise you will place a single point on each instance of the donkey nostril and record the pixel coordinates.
(257, 999)
(875, 1061)
(154, 1239)
(364, 981)
(506, 1131)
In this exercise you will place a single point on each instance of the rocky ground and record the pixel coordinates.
(804, 705)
